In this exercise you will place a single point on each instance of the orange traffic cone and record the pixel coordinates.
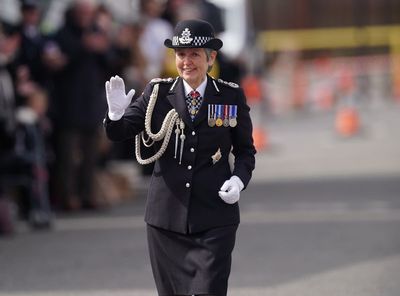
(251, 85)
(254, 93)
(260, 138)
(347, 121)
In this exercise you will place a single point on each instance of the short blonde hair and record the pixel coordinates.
(208, 54)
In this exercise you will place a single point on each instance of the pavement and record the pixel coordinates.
(305, 145)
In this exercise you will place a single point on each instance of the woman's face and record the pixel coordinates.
(192, 64)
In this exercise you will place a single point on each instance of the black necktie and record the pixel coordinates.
(193, 101)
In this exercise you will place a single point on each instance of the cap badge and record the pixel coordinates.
(185, 39)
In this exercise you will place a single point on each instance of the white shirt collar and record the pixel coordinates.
(201, 88)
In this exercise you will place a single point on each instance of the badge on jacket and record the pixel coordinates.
(217, 156)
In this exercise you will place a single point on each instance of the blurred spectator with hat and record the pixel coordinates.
(32, 41)
(193, 122)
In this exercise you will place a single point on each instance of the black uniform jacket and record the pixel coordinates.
(184, 197)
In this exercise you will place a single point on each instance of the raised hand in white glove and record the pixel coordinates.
(230, 190)
(117, 100)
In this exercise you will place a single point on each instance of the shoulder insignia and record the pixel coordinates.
(173, 85)
(231, 84)
(162, 80)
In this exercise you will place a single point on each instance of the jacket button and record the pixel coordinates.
(187, 185)
(189, 167)
(192, 149)
(193, 133)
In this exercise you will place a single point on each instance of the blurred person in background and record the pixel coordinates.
(129, 63)
(177, 10)
(9, 44)
(32, 41)
(192, 211)
(31, 152)
(33, 126)
(77, 56)
(151, 40)
(23, 158)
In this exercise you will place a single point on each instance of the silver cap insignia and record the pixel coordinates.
(185, 39)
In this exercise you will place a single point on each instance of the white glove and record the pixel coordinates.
(230, 190)
(117, 100)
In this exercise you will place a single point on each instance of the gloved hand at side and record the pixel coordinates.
(230, 190)
(117, 100)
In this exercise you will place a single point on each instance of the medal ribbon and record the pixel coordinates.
(219, 111)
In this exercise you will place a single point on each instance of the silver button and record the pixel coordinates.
(189, 167)
(187, 185)
(191, 149)
(193, 133)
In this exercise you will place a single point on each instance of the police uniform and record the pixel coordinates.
(191, 230)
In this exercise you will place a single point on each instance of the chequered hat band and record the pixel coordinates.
(196, 41)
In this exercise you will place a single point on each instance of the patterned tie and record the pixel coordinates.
(193, 101)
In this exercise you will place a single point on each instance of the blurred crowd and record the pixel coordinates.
(52, 99)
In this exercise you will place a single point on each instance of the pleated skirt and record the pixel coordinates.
(187, 264)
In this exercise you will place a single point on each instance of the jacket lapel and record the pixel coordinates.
(177, 99)
(210, 97)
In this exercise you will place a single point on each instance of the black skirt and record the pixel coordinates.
(186, 264)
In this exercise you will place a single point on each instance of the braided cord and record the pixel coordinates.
(164, 133)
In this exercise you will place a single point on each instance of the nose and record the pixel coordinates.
(187, 60)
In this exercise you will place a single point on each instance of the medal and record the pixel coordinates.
(211, 114)
(232, 115)
(219, 121)
(226, 116)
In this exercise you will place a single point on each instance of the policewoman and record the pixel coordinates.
(193, 122)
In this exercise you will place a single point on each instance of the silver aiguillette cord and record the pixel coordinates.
(177, 131)
(182, 126)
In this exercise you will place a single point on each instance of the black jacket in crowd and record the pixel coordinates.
(78, 99)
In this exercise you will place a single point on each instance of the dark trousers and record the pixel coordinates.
(76, 160)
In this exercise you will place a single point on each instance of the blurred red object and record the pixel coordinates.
(260, 138)
(252, 88)
(347, 121)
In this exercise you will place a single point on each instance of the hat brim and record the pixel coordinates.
(214, 44)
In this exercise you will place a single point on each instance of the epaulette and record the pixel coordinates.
(231, 84)
(162, 80)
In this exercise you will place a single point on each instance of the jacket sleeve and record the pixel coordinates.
(243, 146)
(132, 122)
